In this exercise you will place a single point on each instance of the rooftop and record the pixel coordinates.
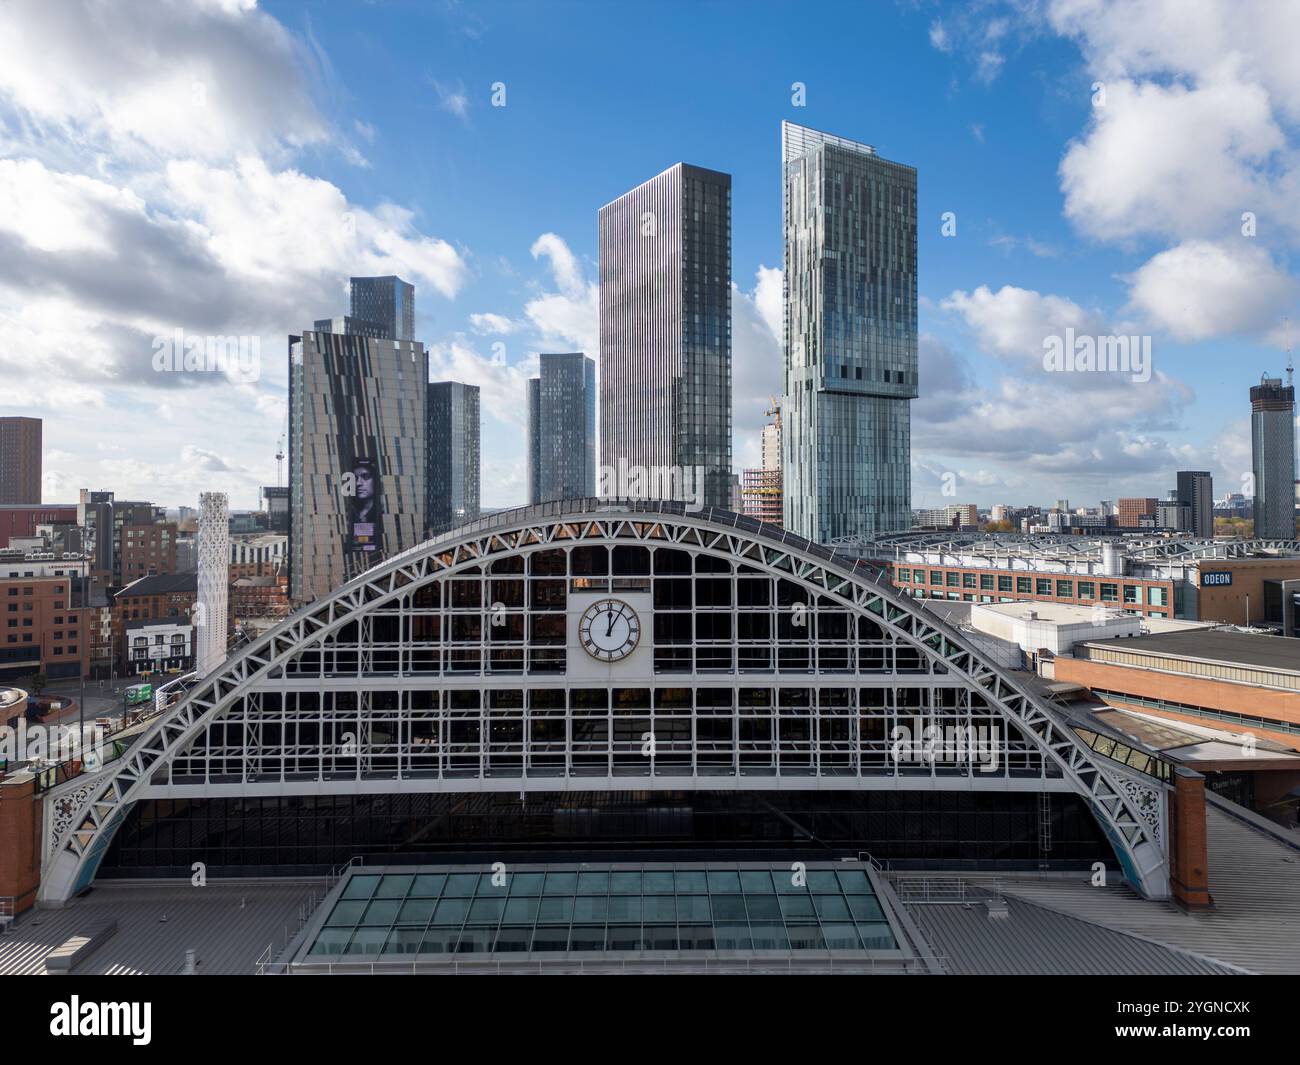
(1222, 646)
(162, 584)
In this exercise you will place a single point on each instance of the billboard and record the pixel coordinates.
(361, 496)
(1215, 578)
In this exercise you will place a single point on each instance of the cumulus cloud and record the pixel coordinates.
(570, 316)
(152, 180)
(166, 77)
(1201, 289)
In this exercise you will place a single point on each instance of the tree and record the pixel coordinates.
(36, 683)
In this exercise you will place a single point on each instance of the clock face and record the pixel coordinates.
(609, 630)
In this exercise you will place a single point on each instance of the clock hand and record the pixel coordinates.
(609, 631)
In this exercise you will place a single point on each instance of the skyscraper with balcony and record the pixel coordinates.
(1272, 442)
(20, 460)
(562, 428)
(665, 328)
(388, 302)
(453, 455)
(850, 336)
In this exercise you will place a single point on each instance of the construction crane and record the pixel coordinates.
(774, 411)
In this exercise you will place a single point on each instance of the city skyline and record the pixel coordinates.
(1001, 123)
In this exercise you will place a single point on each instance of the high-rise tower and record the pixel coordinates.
(562, 428)
(665, 328)
(1272, 442)
(850, 336)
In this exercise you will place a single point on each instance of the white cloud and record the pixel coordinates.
(571, 315)
(1201, 289)
(1173, 161)
(205, 80)
(453, 100)
(153, 179)
(490, 324)
(1013, 322)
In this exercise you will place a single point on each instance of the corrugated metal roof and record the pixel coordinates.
(1255, 883)
(1033, 941)
(228, 924)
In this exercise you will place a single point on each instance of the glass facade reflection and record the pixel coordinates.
(388, 302)
(562, 428)
(850, 336)
(313, 834)
(613, 909)
(665, 327)
(453, 455)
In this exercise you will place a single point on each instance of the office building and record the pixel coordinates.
(349, 326)
(1134, 512)
(1272, 440)
(276, 500)
(452, 455)
(387, 302)
(665, 331)
(44, 621)
(562, 428)
(849, 220)
(1196, 492)
(356, 455)
(1174, 516)
(20, 461)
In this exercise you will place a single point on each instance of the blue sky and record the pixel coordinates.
(232, 163)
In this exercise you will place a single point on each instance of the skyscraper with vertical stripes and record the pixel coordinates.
(849, 221)
(665, 327)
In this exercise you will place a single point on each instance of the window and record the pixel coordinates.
(1043, 586)
(936, 576)
(1157, 596)
(954, 580)
(968, 580)
(986, 582)
(1132, 594)
(1065, 589)
(1024, 586)
(905, 575)
(1110, 593)
(1087, 590)
(1004, 584)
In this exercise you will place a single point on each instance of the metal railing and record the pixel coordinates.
(945, 890)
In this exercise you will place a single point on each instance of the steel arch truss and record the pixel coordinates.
(84, 814)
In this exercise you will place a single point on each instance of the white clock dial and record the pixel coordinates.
(609, 630)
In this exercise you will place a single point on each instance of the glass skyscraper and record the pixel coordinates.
(562, 429)
(453, 455)
(665, 327)
(356, 456)
(850, 336)
(386, 301)
(1272, 439)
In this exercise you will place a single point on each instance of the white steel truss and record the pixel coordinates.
(83, 814)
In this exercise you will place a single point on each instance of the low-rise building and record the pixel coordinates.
(163, 646)
(1223, 678)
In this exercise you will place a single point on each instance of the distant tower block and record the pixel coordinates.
(214, 570)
